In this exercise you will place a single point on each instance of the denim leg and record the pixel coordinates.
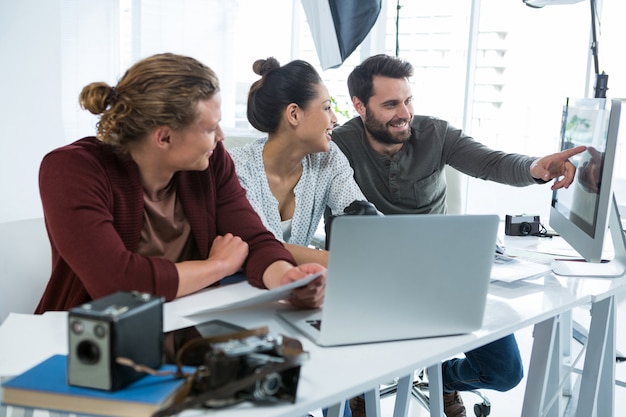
(497, 366)
(346, 410)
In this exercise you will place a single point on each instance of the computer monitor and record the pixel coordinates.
(583, 213)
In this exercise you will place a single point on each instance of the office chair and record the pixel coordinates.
(356, 208)
(419, 391)
(25, 264)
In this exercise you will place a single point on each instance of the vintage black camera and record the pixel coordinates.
(247, 365)
(259, 359)
(522, 225)
(122, 325)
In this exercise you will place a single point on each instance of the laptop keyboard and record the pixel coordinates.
(315, 323)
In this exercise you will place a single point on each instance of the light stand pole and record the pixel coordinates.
(602, 80)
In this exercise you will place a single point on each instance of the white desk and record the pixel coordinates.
(546, 373)
(334, 374)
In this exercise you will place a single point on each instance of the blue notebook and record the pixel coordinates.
(45, 386)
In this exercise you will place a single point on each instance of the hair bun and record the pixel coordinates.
(263, 66)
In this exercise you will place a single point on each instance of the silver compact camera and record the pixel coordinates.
(125, 325)
(522, 225)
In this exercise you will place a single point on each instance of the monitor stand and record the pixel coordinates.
(616, 267)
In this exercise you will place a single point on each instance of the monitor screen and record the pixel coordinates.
(580, 213)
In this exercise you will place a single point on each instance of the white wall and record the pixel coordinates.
(30, 114)
(37, 98)
(59, 46)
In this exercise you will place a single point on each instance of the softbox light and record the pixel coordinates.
(339, 26)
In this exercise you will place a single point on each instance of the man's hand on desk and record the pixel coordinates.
(310, 295)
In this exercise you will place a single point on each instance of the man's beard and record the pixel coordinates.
(379, 132)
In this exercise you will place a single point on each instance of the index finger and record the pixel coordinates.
(574, 151)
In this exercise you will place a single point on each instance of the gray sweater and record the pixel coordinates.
(412, 181)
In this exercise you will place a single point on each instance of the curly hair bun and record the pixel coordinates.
(263, 66)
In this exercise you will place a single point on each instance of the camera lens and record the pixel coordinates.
(99, 331)
(77, 327)
(525, 228)
(88, 352)
(268, 386)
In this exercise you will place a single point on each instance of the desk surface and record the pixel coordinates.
(556, 247)
(333, 374)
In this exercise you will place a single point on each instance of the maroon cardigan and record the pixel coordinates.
(92, 201)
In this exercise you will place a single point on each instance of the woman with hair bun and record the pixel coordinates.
(153, 204)
(296, 171)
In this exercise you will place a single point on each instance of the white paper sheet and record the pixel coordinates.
(509, 269)
(227, 297)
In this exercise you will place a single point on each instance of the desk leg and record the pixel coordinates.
(544, 371)
(565, 329)
(597, 384)
(403, 394)
(372, 402)
(336, 410)
(435, 390)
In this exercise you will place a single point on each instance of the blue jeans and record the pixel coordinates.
(497, 366)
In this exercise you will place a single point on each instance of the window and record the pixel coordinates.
(499, 69)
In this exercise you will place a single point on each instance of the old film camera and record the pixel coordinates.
(118, 339)
(124, 325)
(522, 225)
(241, 365)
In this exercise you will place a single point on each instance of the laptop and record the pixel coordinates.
(401, 277)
